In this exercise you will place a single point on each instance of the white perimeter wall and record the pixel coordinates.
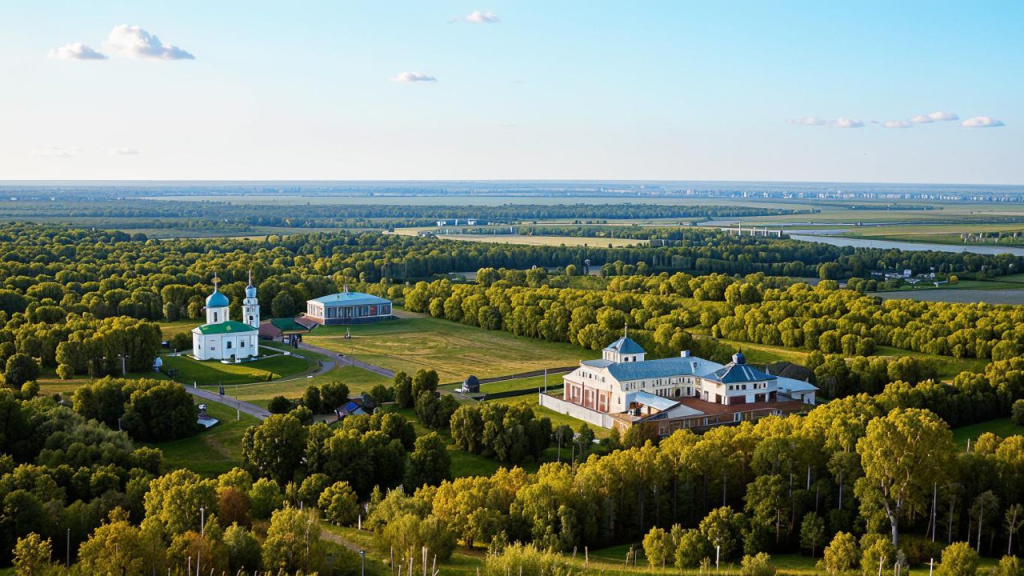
(576, 411)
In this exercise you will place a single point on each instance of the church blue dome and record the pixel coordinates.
(739, 358)
(217, 300)
(250, 291)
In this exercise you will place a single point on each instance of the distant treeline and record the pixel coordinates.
(298, 215)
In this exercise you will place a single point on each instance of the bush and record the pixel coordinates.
(527, 560)
(759, 565)
(1017, 414)
(65, 371)
(840, 555)
(959, 559)
(1009, 566)
(693, 547)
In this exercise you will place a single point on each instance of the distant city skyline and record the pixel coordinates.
(906, 92)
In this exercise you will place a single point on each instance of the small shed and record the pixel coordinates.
(471, 385)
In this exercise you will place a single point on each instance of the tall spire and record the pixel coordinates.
(625, 331)
(216, 280)
(250, 276)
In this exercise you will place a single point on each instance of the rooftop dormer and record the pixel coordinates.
(624, 349)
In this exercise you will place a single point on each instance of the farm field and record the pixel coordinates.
(956, 295)
(453, 349)
(213, 451)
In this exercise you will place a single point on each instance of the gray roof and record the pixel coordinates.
(664, 368)
(653, 400)
(734, 372)
(794, 385)
(349, 299)
(626, 345)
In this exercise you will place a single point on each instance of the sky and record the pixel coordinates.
(890, 91)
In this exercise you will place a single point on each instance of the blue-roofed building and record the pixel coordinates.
(626, 386)
(348, 308)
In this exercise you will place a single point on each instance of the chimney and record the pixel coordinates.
(684, 354)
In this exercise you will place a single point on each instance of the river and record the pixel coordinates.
(911, 246)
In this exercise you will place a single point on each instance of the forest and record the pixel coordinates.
(872, 477)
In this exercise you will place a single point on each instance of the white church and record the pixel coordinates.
(222, 338)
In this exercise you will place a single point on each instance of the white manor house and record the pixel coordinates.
(222, 338)
(623, 388)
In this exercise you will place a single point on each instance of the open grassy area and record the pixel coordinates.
(453, 349)
(1000, 427)
(210, 452)
(532, 383)
(212, 373)
(357, 380)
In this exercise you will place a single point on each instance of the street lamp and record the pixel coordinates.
(362, 562)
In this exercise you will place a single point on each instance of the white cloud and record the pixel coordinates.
(922, 119)
(981, 122)
(134, 42)
(75, 51)
(808, 121)
(413, 77)
(126, 152)
(57, 152)
(478, 17)
(898, 124)
(846, 123)
(943, 116)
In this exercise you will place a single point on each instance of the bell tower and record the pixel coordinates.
(251, 306)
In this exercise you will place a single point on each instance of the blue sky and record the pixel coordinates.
(545, 90)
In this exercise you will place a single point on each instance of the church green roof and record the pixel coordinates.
(229, 327)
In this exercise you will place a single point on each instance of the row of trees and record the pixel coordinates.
(764, 310)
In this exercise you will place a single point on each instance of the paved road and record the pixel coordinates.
(342, 360)
(250, 409)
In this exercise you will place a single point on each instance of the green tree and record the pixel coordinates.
(425, 380)
(118, 547)
(840, 555)
(757, 565)
(693, 547)
(243, 549)
(20, 368)
(264, 498)
(403, 390)
(429, 463)
(658, 547)
(32, 556)
(176, 500)
(275, 447)
(812, 532)
(293, 541)
(903, 454)
(958, 559)
(339, 504)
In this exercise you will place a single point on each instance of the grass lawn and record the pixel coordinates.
(453, 349)
(1000, 427)
(210, 452)
(168, 329)
(212, 373)
(357, 380)
(532, 383)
